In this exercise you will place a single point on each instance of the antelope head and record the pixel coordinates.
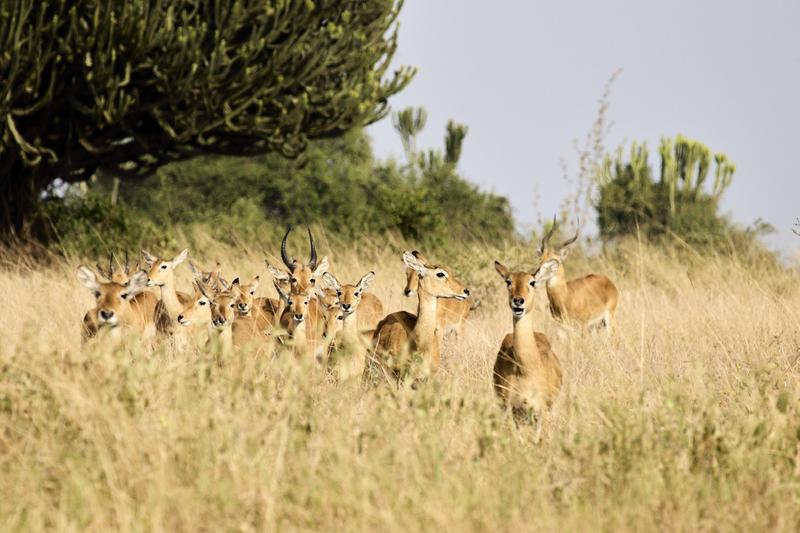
(113, 298)
(550, 262)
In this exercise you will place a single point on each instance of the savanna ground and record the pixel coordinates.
(685, 419)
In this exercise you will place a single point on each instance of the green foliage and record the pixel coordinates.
(93, 226)
(336, 184)
(132, 85)
(677, 204)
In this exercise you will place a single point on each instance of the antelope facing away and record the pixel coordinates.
(590, 301)
(527, 374)
(119, 305)
(451, 314)
(402, 334)
(349, 346)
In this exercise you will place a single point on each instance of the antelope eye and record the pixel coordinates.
(508, 282)
(123, 295)
(163, 267)
(252, 293)
(440, 275)
(533, 283)
(202, 302)
(230, 305)
(97, 294)
(293, 280)
(356, 293)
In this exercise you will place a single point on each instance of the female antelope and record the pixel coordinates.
(451, 314)
(401, 334)
(161, 273)
(303, 325)
(350, 346)
(527, 374)
(119, 305)
(590, 301)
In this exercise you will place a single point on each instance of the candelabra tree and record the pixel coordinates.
(127, 86)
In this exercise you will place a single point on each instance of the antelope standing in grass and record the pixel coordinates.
(303, 326)
(451, 314)
(91, 323)
(119, 305)
(589, 301)
(228, 330)
(401, 334)
(349, 346)
(264, 311)
(302, 279)
(527, 374)
(161, 273)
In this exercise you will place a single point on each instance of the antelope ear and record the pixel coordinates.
(235, 282)
(277, 273)
(148, 257)
(546, 271)
(136, 283)
(501, 269)
(87, 278)
(180, 258)
(331, 281)
(366, 281)
(322, 266)
(415, 264)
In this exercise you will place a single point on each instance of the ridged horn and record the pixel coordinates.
(289, 263)
(547, 236)
(312, 261)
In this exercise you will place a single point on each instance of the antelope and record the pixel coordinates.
(226, 329)
(451, 314)
(263, 310)
(350, 346)
(527, 374)
(119, 305)
(211, 278)
(401, 334)
(91, 324)
(300, 278)
(303, 326)
(590, 301)
(161, 273)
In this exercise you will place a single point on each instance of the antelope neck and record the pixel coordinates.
(170, 296)
(425, 327)
(525, 350)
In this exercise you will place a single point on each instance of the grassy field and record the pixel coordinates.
(686, 418)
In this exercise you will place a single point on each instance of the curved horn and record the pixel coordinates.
(547, 236)
(289, 263)
(575, 238)
(312, 261)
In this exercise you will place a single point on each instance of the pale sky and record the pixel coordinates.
(525, 76)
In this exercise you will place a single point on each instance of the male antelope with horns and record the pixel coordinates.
(589, 301)
(299, 284)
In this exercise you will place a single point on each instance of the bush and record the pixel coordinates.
(675, 205)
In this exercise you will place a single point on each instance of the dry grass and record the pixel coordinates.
(686, 419)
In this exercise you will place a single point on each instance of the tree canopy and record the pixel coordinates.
(132, 85)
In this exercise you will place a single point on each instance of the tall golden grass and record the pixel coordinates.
(686, 418)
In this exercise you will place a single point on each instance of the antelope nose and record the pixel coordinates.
(106, 314)
(298, 316)
(346, 306)
(408, 292)
(180, 318)
(466, 292)
(518, 301)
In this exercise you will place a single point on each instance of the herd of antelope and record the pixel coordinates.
(343, 326)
